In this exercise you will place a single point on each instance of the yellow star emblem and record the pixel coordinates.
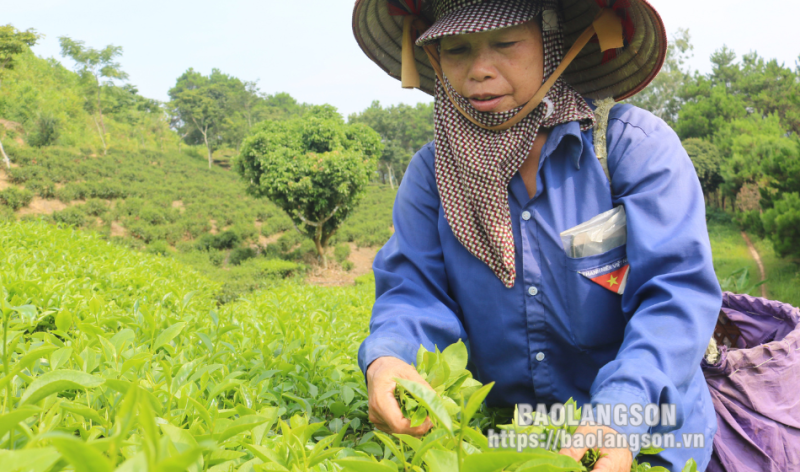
(612, 281)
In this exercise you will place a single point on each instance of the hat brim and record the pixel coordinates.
(494, 15)
(380, 36)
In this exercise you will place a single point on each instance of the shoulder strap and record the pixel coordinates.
(604, 107)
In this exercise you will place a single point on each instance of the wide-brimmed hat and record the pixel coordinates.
(619, 73)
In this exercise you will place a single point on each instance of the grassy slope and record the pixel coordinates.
(167, 202)
(731, 253)
(783, 275)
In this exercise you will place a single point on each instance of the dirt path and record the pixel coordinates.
(755, 255)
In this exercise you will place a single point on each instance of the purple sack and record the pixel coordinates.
(755, 386)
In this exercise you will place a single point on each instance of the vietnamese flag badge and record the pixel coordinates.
(612, 276)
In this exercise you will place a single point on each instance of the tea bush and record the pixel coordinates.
(15, 198)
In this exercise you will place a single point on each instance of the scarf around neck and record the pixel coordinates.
(474, 166)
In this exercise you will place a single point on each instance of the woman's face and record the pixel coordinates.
(496, 70)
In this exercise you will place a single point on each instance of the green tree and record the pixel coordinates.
(707, 162)
(206, 108)
(99, 66)
(404, 129)
(780, 165)
(662, 97)
(12, 43)
(314, 167)
(782, 224)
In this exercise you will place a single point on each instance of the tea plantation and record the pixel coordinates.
(120, 360)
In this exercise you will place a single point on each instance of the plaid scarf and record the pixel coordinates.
(474, 166)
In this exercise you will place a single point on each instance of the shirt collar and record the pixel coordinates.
(574, 142)
(568, 134)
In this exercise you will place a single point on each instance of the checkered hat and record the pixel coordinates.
(475, 16)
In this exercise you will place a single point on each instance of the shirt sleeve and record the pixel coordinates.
(672, 297)
(412, 305)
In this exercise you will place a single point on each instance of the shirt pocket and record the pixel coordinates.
(594, 306)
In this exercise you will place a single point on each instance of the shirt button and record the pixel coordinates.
(540, 357)
(526, 215)
(533, 291)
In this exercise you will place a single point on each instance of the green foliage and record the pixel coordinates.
(159, 247)
(739, 282)
(15, 198)
(72, 216)
(98, 71)
(46, 130)
(315, 168)
(13, 43)
(50, 102)
(663, 96)
(751, 222)
(404, 129)
(707, 163)
(782, 224)
(370, 224)
(341, 252)
(348, 266)
(241, 254)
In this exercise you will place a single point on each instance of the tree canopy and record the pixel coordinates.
(404, 129)
(13, 43)
(315, 167)
(101, 70)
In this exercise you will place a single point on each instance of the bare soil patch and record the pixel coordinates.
(334, 276)
(40, 206)
(118, 230)
(4, 183)
(760, 264)
(179, 205)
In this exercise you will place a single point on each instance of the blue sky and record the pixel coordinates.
(306, 47)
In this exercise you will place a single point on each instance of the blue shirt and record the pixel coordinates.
(569, 337)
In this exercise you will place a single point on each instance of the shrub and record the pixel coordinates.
(276, 224)
(152, 215)
(227, 240)
(341, 252)
(108, 190)
(366, 279)
(70, 216)
(15, 198)
(184, 246)
(159, 247)
(782, 225)
(20, 175)
(241, 254)
(206, 242)
(245, 230)
(750, 221)
(348, 265)
(45, 188)
(216, 258)
(307, 251)
(71, 192)
(95, 207)
(46, 131)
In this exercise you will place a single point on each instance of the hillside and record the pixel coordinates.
(170, 204)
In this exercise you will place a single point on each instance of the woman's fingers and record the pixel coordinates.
(384, 411)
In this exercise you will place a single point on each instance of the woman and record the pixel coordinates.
(518, 158)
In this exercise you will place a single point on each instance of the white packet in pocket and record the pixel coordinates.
(602, 233)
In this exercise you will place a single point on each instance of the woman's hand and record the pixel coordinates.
(384, 412)
(615, 459)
